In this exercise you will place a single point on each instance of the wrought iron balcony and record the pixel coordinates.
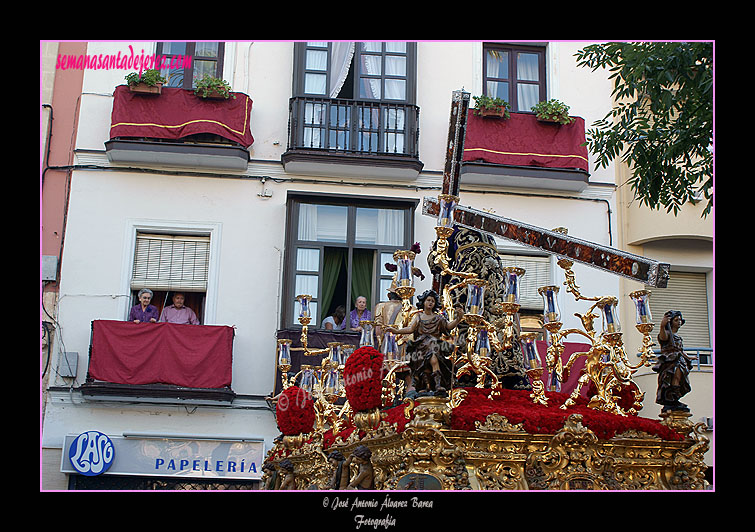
(352, 137)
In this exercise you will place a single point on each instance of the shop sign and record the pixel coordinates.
(91, 453)
(172, 457)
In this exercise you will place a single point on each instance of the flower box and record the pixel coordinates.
(143, 88)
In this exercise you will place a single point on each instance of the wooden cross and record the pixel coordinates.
(635, 267)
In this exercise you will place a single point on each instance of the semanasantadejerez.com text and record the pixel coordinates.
(125, 61)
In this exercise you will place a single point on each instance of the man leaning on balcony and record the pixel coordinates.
(178, 312)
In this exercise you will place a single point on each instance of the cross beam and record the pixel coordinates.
(609, 259)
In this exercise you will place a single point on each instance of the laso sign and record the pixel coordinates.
(91, 453)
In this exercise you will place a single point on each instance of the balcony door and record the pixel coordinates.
(375, 71)
(355, 98)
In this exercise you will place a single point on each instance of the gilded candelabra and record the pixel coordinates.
(607, 366)
(324, 381)
(480, 334)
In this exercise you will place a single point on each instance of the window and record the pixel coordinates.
(206, 58)
(337, 249)
(515, 74)
(377, 71)
(167, 263)
(686, 292)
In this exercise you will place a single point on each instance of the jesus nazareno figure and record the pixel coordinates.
(428, 353)
(673, 364)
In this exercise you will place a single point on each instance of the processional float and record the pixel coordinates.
(416, 440)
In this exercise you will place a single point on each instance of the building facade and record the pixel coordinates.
(305, 182)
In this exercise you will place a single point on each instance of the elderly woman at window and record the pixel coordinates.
(144, 311)
(360, 313)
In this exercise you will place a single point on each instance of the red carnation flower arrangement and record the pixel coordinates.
(363, 377)
(295, 411)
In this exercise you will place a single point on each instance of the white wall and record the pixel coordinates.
(248, 231)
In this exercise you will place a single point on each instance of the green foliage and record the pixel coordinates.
(149, 77)
(662, 122)
(554, 111)
(486, 102)
(209, 84)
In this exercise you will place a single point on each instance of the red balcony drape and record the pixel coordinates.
(194, 356)
(522, 140)
(177, 113)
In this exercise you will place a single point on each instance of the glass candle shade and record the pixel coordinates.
(610, 314)
(389, 348)
(284, 352)
(475, 296)
(308, 378)
(334, 353)
(511, 284)
(641, 300)
(304, 305)
(367, 336)
(346, 350)
(331, 386)
(482, 346)
(404, 263)
(551, 312)
(530, 356)
(446, 208)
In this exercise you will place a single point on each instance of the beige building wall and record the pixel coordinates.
(685, 241)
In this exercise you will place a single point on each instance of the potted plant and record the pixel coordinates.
(149, 82)
(213, 88)
(552, 111)
(487, 106)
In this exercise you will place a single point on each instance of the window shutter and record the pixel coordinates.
(687, 293)
(171, 262)
(536, 274)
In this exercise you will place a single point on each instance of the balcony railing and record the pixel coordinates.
(704, 356)
(160, 360)
(353, 127)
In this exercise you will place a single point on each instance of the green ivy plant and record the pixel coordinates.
(553, 111)
(209, 84)
(486, 102)
(149, 77)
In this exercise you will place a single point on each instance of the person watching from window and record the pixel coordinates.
(360, 313)
(178, 312)
(144, 312)
(336, 320)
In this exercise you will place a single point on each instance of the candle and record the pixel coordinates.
(551, 313)
(483, 343)
(304, 305)
(447, 205)
(529, 351)
(642, 306)
(284, 352)
(475, 297)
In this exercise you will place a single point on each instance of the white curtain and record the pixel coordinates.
(371, 66)
(383, 227)
(340, 62)
(316, 60)
(390, 227)
(324, 223)
(527, 69)
(395, 89)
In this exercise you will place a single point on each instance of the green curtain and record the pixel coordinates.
(331, 267)
(361, 275)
